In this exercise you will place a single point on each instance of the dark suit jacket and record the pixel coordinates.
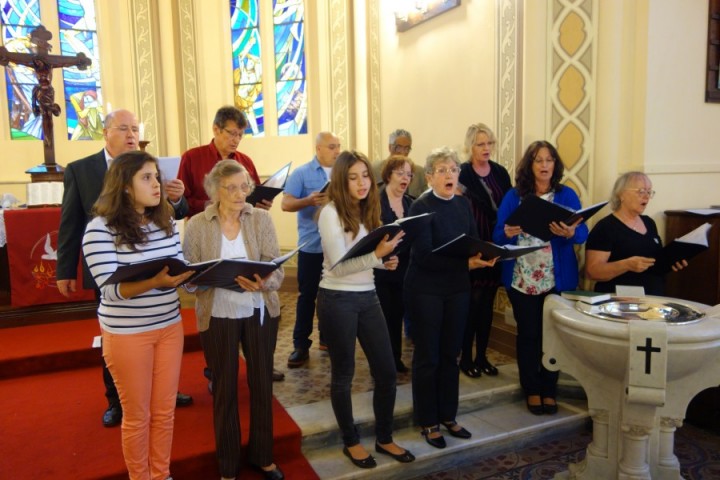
(83, 181)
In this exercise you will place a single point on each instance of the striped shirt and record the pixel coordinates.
(149, 311)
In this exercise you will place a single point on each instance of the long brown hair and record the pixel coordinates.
(351, 216)
(524, 177)
(117, 205)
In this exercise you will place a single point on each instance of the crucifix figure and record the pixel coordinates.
(43, 94)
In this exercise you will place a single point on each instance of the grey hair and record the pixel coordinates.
(222, 169)
(621, 184)
(438, 155)
(398, 133)
(471, 135)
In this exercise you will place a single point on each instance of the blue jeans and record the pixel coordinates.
(309, 272)
(438, 323)
(345, 317)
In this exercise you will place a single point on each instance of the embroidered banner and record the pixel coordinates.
(32, 258)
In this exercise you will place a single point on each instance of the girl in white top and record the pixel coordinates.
(348, 308)
(142, 334)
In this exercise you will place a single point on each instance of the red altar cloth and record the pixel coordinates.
(32, 258)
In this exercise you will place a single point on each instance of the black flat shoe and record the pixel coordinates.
(459, 433)
(400, 367)
(274, 474)
(438, 442)
(471, 371)
(534, 409)
(367, 462)
(550, 408)
(488, 368)
(405, 457)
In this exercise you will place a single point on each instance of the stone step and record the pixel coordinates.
(492, 408)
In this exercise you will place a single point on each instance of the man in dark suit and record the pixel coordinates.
(83, 181)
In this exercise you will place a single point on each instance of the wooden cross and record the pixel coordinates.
(43, 94)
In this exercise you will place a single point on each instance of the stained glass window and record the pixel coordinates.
(83, 95)
(247, 63)
(289, 34)
(19, 17)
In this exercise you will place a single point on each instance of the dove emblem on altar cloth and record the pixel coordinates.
(49, 254)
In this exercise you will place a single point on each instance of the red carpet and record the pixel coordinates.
(50, 422)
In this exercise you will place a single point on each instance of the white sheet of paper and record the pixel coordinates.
(169, 167)
(97, 342)
(703, 211)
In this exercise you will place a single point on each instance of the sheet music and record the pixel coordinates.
(169, 167)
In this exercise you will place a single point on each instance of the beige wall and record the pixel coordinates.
(438, 77)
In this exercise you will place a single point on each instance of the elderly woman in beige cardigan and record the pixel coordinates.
(231, 228)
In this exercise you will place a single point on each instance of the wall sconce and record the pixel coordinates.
(409, 13)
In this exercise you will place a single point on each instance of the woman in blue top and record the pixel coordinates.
(530, 278)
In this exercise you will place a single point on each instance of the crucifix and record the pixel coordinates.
(43, 94)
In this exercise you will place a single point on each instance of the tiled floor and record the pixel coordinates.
(311, 384)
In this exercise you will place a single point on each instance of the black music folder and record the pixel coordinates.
(466, 246)
(219, 273)
(682, 248)
(271, 187)
(534, 216)
(412, 226)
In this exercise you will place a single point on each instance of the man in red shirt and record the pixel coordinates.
(228, 129)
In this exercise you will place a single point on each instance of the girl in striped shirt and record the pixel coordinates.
(142, 333)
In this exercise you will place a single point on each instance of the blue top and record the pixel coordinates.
(304, 180)
(564, 259)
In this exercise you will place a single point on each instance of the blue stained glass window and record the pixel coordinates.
(291, 96)
(19, 17)
(83, 95)
(247, 63)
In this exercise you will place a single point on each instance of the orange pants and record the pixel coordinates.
(146, 369)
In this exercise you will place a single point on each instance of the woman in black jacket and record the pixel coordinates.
(485, 183)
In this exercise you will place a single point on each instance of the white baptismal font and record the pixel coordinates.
(640, 362)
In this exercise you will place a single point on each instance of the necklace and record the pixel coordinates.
(634, 224)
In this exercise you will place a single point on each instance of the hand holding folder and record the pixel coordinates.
(682, 248)
(412, 226)
(218, 273)
(466, 246)
(534, 216)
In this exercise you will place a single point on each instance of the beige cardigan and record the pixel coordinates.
(203, 241)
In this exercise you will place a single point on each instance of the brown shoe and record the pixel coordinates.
(278, 376)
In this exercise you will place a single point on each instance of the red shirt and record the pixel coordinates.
(196, 163)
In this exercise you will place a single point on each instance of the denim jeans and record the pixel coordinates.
(344, 317)
(309, 272)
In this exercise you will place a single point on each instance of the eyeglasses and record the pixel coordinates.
(538, 161)
(232, 134)
(402, 148)
(445, 170)
(233, 189)
(403, 173)
(125, 129)
(643, 191)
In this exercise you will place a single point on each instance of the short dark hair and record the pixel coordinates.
(230, 113)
